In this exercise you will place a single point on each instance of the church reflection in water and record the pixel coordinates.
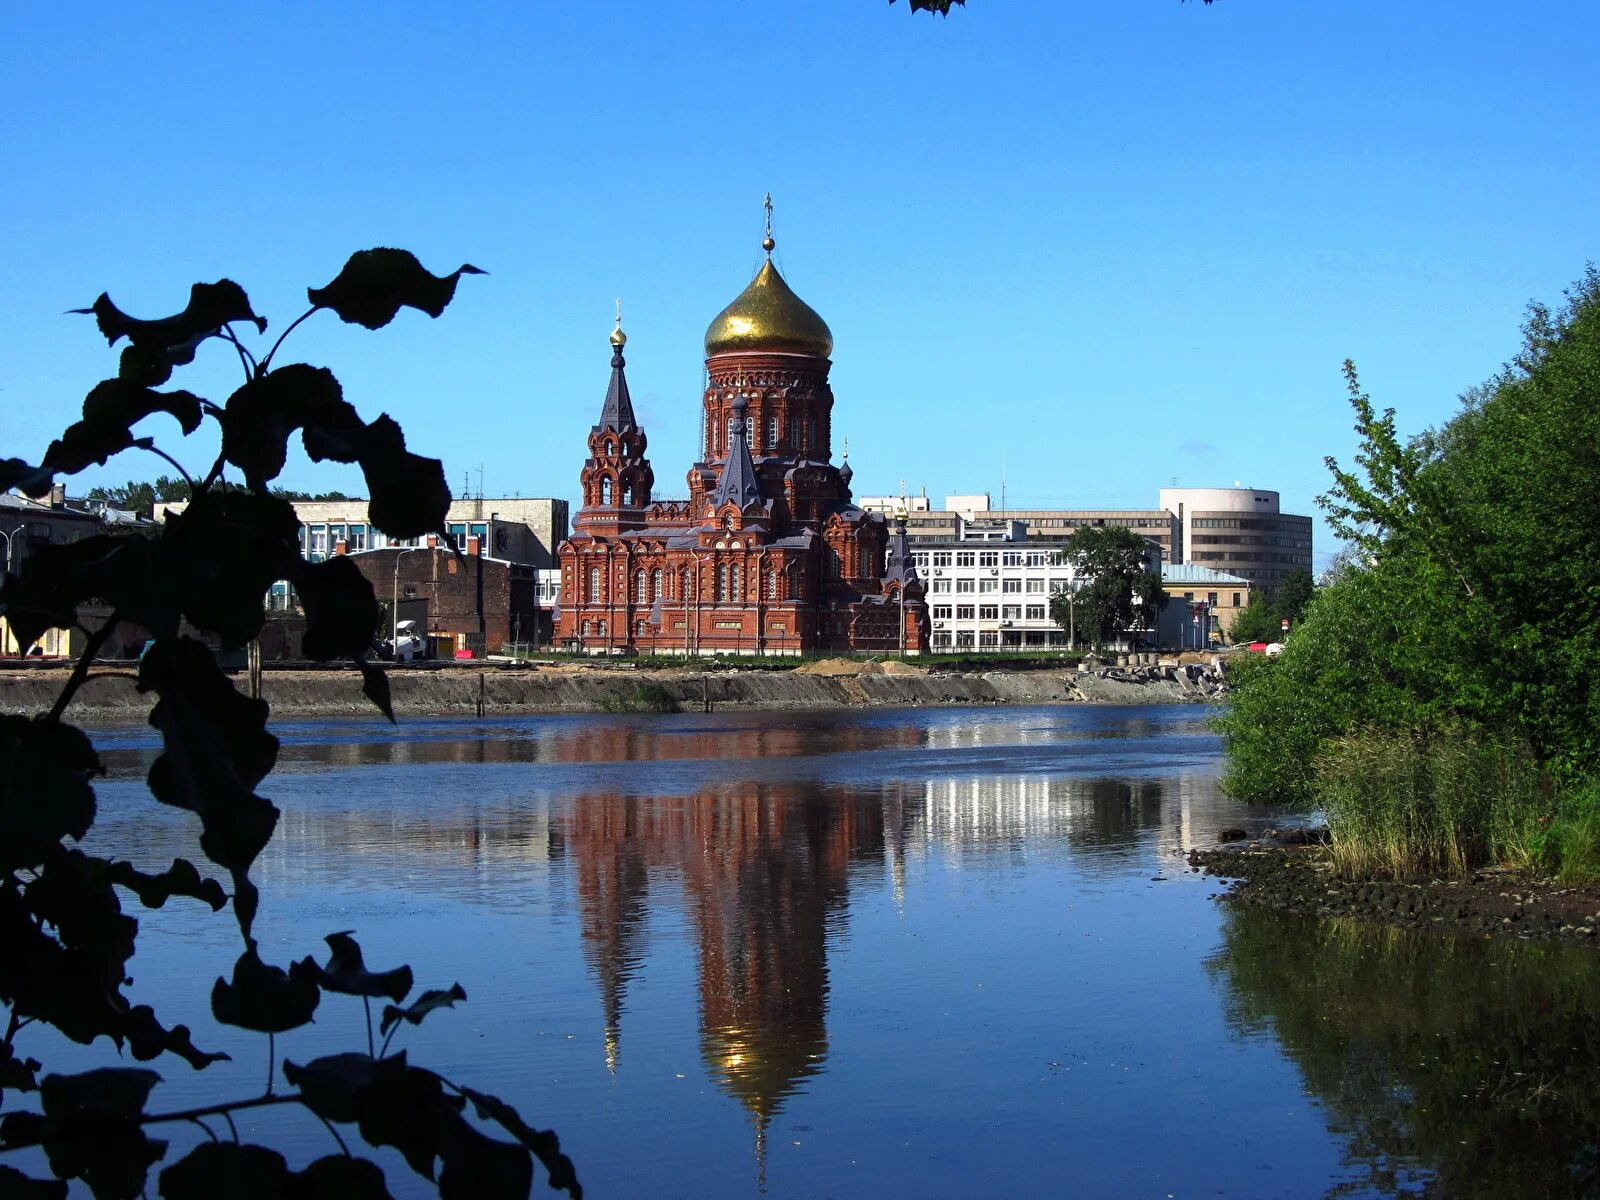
(765, 872)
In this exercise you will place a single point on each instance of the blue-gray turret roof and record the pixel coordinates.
(738, 480)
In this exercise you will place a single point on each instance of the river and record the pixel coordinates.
(865, 954)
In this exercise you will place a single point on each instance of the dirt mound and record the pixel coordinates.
(893, 667)
(840, 666)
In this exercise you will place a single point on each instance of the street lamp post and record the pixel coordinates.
(1135, 625)
(394, 606)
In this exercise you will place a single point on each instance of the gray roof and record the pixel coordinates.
(738, 480)
(617, 413)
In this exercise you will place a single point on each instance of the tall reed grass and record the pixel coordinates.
(1410, 804)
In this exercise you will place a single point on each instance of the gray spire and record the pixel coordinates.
(738, 480)
(900, 567)
(618, 411)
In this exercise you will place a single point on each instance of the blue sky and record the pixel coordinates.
(1096, 247)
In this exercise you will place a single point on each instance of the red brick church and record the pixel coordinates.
(769, 554)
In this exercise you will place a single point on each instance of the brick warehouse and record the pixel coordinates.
(769, 554)
(450, 586)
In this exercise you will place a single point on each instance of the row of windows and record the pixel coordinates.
(1266, 524)
(991, 637)
(1007, 586)
(802, 435)
(1258, 556)
(1211, 599)
(991, 612)
(1247, 539)
(984, 558)
(730, 583)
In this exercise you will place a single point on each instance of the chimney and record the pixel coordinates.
(433, 541)
(341, 547)
(473, 545)
(58, 495)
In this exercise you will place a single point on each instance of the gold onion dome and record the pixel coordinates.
(618, 338)
(768, 316)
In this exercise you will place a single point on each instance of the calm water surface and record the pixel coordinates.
(899, 953)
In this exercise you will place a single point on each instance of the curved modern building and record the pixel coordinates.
(1239, 530)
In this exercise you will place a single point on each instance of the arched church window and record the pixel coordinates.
(735, 592)
(594, 585)
(728, 443)
(605, 491)
(627, 493)
(640, 594)
(750, 431)
(772, 433)
(774, 585)
(811, 433)
(794, 433)
(655, 586)
(722, 581)
(683, 585)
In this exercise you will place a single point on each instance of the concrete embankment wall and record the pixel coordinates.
(504, 691)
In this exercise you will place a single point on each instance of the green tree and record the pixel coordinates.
(64, 939)
(1258, 621)
(1470, 604)
(141, 496)
(1109, 569)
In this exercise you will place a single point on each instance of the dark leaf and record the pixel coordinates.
(410, 1112)
(71, 895)
(181, 879)
(147, 1039)
(216, 1169)
(543, 1142)
(476, 1167)
(340, 1177)
(45, 795)
(330, 1085)
(347, 974)
(18, 1074)
(261, 415)
(110, 1091)
(124, 572)
(265, 998)
(230, 547)
(24, 477)
(72, 989)
(109, 413)
(421, 1007)
(90, 1129)
(217, 749)
(173, 338)
(341, 610)
(409, 496)
(14, 1185)
(375, 284)
(375, 687)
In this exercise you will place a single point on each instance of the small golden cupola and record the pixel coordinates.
(767, 317)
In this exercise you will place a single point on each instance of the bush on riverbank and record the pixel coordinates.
(1467, 610)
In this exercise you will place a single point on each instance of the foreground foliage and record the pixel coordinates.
(1468, 611)
(65, 940)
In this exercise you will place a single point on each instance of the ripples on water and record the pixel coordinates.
(875, 954)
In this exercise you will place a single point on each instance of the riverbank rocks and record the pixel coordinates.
(1300, 879)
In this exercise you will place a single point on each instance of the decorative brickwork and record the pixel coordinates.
(769, 554)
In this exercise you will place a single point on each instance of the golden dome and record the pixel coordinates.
(768, 316)
(618, 338)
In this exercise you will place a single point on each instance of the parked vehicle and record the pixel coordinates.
(408, 643)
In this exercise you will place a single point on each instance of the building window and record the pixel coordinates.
(988, 585)
(1011, 585)
(963, 637)
(641, 593)
(1036, 612)
(989, 558)
(1011, 612)
(358, 538)
(988, 612)
(1211, 599)
(941, 639)
(1036, 558)
(966, 585)
(655, 585)
(318, 543)
(794, 434)
(964, 558)
(605, 491)
(1236, 599)
(772, 433)
(963, 612)
(1011, 558)
(988, 637)
(638, 629)
(941, 585)
(1036, 585)
(941, 612)
(594, 585)
(941, 558)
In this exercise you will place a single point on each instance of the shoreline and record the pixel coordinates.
(580, 688)
(1491, 902)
